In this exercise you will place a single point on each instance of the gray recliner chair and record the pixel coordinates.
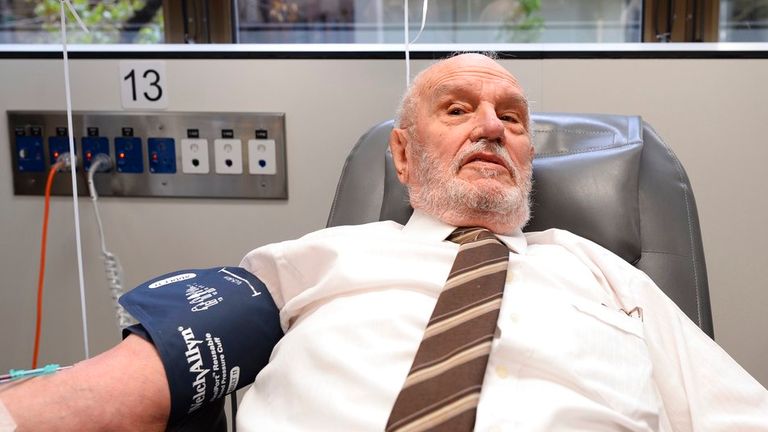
(607, 178)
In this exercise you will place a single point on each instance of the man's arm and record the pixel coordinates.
(124, 388)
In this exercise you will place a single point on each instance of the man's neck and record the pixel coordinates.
(494, 222)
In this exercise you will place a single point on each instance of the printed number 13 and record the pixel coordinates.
(155, 82)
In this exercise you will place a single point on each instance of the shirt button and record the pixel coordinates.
(514, 317)
(495, 428)
(501, 371)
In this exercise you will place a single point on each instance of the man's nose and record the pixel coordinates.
(487, 125)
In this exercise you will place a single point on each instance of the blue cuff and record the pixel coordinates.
(213, 328)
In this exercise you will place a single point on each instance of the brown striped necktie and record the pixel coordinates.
(443, 385)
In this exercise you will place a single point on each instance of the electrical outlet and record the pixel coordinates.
(153, 153)
(128, 155)
(57, 146)
(93, 145)
(162, 155)
(30, 153)
(194, 156)
(261, 157)
(228, 156)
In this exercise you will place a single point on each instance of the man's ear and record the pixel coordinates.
(398, 145)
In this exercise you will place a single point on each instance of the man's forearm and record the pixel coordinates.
(124, 388)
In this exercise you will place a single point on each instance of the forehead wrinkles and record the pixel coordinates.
(439, 84)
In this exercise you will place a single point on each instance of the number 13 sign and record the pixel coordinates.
(143, 84)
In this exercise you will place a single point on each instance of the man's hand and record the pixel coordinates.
(124, 388)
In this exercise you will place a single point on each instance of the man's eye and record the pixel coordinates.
(455, 111)
(509, 118)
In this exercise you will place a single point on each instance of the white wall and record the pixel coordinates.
(712, 113)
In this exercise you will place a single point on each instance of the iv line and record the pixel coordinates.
(408, 42)
(72, 171)
(17, 374)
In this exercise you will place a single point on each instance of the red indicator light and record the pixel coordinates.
(154, 157)
(55, 155)
(88, 155)
(121, 155)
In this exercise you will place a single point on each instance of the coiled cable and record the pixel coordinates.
(112, 265)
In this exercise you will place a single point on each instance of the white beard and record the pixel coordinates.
(438, 191)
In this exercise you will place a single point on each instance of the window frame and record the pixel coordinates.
(527, 51)
(681, 21)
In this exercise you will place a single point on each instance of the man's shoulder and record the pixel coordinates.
(321, 244)
(622, 277)
(575, 244)
(556, 236)
(354, 231)
(337, 236)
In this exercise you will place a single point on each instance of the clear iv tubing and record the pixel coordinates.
(408, 41)
(17, 374)
(74, 180)
(111, 264)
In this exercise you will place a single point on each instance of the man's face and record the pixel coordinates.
(467, 159)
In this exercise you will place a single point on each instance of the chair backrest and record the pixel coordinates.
(608, 178)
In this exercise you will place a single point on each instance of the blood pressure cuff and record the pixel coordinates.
(213, 328)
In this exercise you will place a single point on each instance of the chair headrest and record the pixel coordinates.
(586, 179)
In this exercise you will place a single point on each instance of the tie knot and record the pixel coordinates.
(464, 235)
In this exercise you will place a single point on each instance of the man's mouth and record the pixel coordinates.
(485, 158)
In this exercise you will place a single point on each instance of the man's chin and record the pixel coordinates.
(480, 177)
(490, 186)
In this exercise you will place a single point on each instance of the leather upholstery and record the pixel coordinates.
(608, 178)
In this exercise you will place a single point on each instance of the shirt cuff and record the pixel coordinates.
(6, 421)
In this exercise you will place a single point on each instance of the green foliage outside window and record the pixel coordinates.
(524, 23)
(107, 21)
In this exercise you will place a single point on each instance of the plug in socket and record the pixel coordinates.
(92, 147)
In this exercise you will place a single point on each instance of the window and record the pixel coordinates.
(467, 21)
(743, 21)
(116, 21)
(381, 21)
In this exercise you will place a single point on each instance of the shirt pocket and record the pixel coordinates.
(610, 360)
(615, 318)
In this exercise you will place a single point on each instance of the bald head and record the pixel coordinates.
(424, 84)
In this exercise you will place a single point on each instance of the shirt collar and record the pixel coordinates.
(430, 228)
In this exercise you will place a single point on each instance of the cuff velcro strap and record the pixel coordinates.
(213, 328)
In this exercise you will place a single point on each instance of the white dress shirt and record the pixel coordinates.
(354, 302)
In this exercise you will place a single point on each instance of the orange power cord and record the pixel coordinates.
(41, 276)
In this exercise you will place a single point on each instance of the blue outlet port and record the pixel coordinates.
(162, 155)
(29, 150)
(57, 145)
(93, 146)
(128, 155)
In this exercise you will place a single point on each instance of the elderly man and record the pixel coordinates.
(424, 326)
